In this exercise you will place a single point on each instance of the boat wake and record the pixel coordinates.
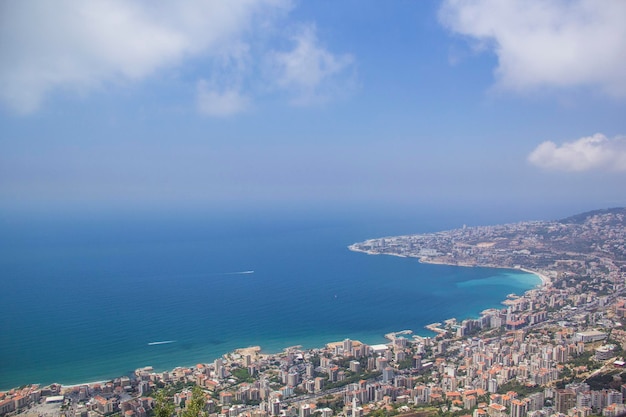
(164, 342)
(203, 275)
(218, 274)
(222, 274)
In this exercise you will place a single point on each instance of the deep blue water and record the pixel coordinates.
(81, 297)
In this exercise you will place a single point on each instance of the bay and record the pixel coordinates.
(84, 298)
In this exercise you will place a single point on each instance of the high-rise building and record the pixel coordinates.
(220, 371)
(417, 362)
(347, 347)
(492, 385)
(305, 410)
(144, 388)
(564, 399)
(613, 397)
(583, 399)
(275, 407)
(319, 384)
(518, 408)
(293, 379)
(535, 401)
(309, 385)
(365, 349)
(400, 342)
(388, 374)
(356, 410)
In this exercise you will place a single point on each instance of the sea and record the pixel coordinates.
(90, 296)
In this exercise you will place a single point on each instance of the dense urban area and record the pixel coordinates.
(554, 351)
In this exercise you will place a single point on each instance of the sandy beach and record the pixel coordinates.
(545, 280)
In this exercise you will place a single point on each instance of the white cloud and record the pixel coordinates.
(309, 71)
(595, 152)
(220, 103)
(547, 43)
(78, 46)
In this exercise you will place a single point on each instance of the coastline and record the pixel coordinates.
(545, 280)
(72, 386)
(72, 383)
(258, 350)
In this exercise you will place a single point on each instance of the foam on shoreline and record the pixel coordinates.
(72, 386)
(545, 281)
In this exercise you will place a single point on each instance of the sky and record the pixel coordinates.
(438, 103)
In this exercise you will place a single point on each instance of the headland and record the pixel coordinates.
(547, 249)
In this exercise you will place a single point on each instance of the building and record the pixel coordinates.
(604, 352)
(564, 399)
(590, 336)
(305, 410)
(518, 408)
(388, 374)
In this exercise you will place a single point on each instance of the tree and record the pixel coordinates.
(195, 406)
(163, 407)
(242, 375)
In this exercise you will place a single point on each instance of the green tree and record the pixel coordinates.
(195, 406)
(405, 364)
(242, 375)
(163, 407)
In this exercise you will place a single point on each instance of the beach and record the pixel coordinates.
(545, 280)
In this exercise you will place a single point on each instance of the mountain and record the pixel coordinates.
(616, 215)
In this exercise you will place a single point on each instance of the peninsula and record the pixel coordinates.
(554, 351)
(590, 244)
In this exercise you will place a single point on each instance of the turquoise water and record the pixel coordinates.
(83, 297)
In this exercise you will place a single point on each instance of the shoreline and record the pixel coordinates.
(256, 349)
(543, 278)
(72, 386)
(435, 327)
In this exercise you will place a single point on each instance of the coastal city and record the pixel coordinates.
(556, 350)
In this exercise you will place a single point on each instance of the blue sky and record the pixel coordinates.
(476, 103)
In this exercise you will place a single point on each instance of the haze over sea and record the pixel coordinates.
(84, 296)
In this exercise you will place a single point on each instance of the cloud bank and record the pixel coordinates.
(595, 152)
(547, 43)
(78, 47)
